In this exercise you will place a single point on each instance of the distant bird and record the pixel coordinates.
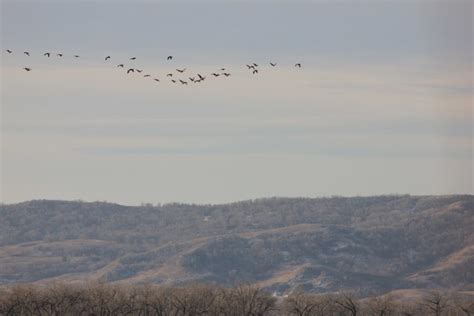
(120, 65)
(222, 69)
(201, 77)
(181, 70)
(76, 56)
(9, 51)
(139, 70)
(146, 76)
(196, 81)
(255, 64)
(215, 75)
(27, 69)
(298, 65)
(130, 70)
(133, 58)
(157, 80)
(226, 74)
(173, 81)
(191, 78)
(183, 82)
(250, 66)
(108, 57)
(59, 55)
(26, 53)
(47, 54)
(255, 71)
(273, 64)
(169, 57)
(169, 75)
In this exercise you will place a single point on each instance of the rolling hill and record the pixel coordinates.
(369, 244)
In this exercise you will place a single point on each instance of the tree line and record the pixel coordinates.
(199, 299)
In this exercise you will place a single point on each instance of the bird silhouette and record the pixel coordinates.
(191, 78)
(27, 69)
(222, 69)
(76, 56)
(157, 80)
(201, 77)
(255, 64)
(250, 66)
(130, 70)
(226, 74)
(120, 65)
(47, 54)
(215, 75)
(108, 57)
(146, 76)
(183, 82)
(273, 64)
(169, 57)
(139, 70)
(59, 55)
(298, 65)
(181, 70)
(26, 53)
(133, 58)
(9, 51)
(173, 81)
(169, 75)
(255, 71)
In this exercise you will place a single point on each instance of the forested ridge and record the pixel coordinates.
(369, 244)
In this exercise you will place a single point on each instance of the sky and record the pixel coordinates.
(383, 103)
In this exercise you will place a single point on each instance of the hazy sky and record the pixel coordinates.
(383, 103)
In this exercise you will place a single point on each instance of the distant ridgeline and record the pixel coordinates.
(365, 244)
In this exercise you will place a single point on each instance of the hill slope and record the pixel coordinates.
(376, 244)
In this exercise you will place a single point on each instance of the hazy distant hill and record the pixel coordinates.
(368, 243)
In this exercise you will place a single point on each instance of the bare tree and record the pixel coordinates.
(435, 302)
(302, 304)
(347, 303)
(380, 306)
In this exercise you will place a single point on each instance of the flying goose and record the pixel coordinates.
(120, 65)
(169, 57)
(255, 71)
(183, 82)
(27, 69)
(47, 54)
(133, 58)
(59, 55)
(298, 65)
(26, 53)
(273, 64)
(108, 57)
(181, 70)
(130, 70)
(9, 51)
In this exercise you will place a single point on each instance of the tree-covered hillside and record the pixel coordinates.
(375, 244)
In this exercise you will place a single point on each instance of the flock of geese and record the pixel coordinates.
(184, 79)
